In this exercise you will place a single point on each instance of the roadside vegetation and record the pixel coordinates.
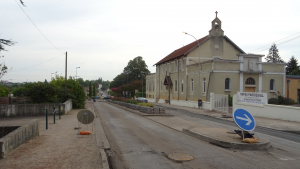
(137, 102)
(54, 92)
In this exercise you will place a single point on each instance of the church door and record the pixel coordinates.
(249, 89)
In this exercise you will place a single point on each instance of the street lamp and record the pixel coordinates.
(51, 75)
(198, 65)
(76, 72)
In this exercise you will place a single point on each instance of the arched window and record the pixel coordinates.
(204, 85)
(181, 86)
(272, 85)
(227, 84)
(192, 85)
(153, 85)
(250, 81)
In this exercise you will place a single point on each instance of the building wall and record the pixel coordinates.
(229, 52)
(217, 83)
(278, 84)
(278, 68)
(293, 87)
(150, 85)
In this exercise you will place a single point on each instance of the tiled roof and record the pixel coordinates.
(293, 76)
(181, 51)
(187, 48)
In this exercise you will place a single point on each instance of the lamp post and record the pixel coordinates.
(51, 75)
(76, 72)
(198, 65)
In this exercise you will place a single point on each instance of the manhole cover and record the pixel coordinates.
(180, 157)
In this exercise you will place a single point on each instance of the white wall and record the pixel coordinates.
(193, 104)
(269, 110)
(68, 106)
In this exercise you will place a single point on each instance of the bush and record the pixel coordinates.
(146, 104)
(273, 101)
(288, 101)
(133, 101)
(4, 91)
(281, 100)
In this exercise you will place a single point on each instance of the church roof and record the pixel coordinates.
(187, 48)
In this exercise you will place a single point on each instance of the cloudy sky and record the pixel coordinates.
(102, 36)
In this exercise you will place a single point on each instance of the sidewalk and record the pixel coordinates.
(57, 147)
(275, 124)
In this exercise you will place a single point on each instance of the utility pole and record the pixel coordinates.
(66, 73)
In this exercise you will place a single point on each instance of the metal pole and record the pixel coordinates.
(59, 111)
(46, 119)
(54, 114)
(198, 65)
(76, 73)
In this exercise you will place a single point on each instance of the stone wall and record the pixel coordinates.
(10, 110)
(19, 136)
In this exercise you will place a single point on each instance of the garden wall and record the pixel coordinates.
(10, 110)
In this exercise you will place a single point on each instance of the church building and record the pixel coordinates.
(224, 69)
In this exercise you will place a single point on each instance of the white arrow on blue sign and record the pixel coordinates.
(244, 119)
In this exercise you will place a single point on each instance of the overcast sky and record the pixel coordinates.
(102, 36)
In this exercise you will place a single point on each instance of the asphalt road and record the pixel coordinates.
(137, 142)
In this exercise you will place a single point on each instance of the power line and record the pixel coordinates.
(37, 64)
(37, 27)
(278, 41)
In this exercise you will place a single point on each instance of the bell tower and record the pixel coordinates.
(216, 37)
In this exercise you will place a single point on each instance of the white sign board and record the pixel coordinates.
(255, 98)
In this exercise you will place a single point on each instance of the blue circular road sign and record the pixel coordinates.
(244, 119)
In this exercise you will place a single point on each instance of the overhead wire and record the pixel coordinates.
(274, 42)
(37, 27)
(37, 64)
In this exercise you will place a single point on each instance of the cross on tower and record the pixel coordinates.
(216, 14)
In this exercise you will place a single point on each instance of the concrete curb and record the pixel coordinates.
(102, 142)
(245, 146)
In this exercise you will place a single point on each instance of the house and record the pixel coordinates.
(293, 87)
(224, 69)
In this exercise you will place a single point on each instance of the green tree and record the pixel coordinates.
(135, 68)
(4, 91)
(292, 67)
(94, 89)
(105, 85)
(90, 89)
(3, 67)
(273, 55)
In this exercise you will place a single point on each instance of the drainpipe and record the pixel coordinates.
(178, 80)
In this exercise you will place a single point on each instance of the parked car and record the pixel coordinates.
(107, 97)
(142, 99)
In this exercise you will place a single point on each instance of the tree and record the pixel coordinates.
(292, 67)
(90, 89)
(273, 55)
(135, 68)
(3, 67)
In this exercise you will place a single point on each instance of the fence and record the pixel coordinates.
(220, 103)
(15, 100)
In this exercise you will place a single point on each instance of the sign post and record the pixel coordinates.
(244, 120)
